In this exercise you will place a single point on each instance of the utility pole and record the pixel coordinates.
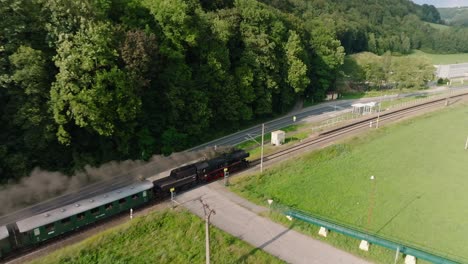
(208, 212)
(371, 202)
(261, 155)
(378, 115)
(448, 96)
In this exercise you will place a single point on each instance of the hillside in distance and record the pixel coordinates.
(456, 16)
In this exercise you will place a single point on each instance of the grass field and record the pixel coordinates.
(160, 237)
(442, 58)
(438, 26)
(420, 188)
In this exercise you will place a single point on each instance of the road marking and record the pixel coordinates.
(336, 107)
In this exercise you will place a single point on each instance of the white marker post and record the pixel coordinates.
(466, 143)
(378, 114)
(172, 196)
(364, 245)
(131, 213)
(270, 201)
(226, 177)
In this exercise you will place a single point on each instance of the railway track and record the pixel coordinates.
(362, 124)
(324, 137)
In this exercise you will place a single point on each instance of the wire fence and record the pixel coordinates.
(386, 104)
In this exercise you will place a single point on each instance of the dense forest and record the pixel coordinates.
(85, 82)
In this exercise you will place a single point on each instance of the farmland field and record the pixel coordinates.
(420, 193)
(442, 58)
(160, 237)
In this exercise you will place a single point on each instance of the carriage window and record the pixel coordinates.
(49, 227)
(108, 206)
(144, 194)
(122, 201)
(135, 196)
(37, 232)
(65, 221)
(95, 211)
(80, 216)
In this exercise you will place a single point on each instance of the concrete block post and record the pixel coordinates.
(364, 245)
(410, 259)
(323, 231)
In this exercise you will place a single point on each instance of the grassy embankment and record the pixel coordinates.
(420, 168)
(160, 237)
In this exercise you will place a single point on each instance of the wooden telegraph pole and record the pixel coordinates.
(208, 212)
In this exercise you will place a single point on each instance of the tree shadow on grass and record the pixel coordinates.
(244, 258)
(399, 212)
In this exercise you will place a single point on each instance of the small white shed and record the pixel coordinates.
(277, 137)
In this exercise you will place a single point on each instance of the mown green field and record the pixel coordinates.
(160, 237)
(442, 58)
(420, 188)
(438, 26)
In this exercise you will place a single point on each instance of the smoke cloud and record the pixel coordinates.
(41, 185)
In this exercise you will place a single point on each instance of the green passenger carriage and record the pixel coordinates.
(53, 223)
(5, 246)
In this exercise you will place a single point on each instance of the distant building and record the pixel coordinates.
(452, 71)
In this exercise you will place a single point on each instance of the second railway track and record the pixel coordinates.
(361, 124)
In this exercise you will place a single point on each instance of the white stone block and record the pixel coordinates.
(410, 259)
(323, 232)
(364, 245)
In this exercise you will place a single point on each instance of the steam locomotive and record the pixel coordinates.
(36, 229)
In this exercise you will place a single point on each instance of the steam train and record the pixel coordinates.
(33, 230)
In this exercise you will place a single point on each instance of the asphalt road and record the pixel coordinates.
(309, 112)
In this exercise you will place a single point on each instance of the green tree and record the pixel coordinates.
(90, 90)
(297, 72)
(372, 43)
